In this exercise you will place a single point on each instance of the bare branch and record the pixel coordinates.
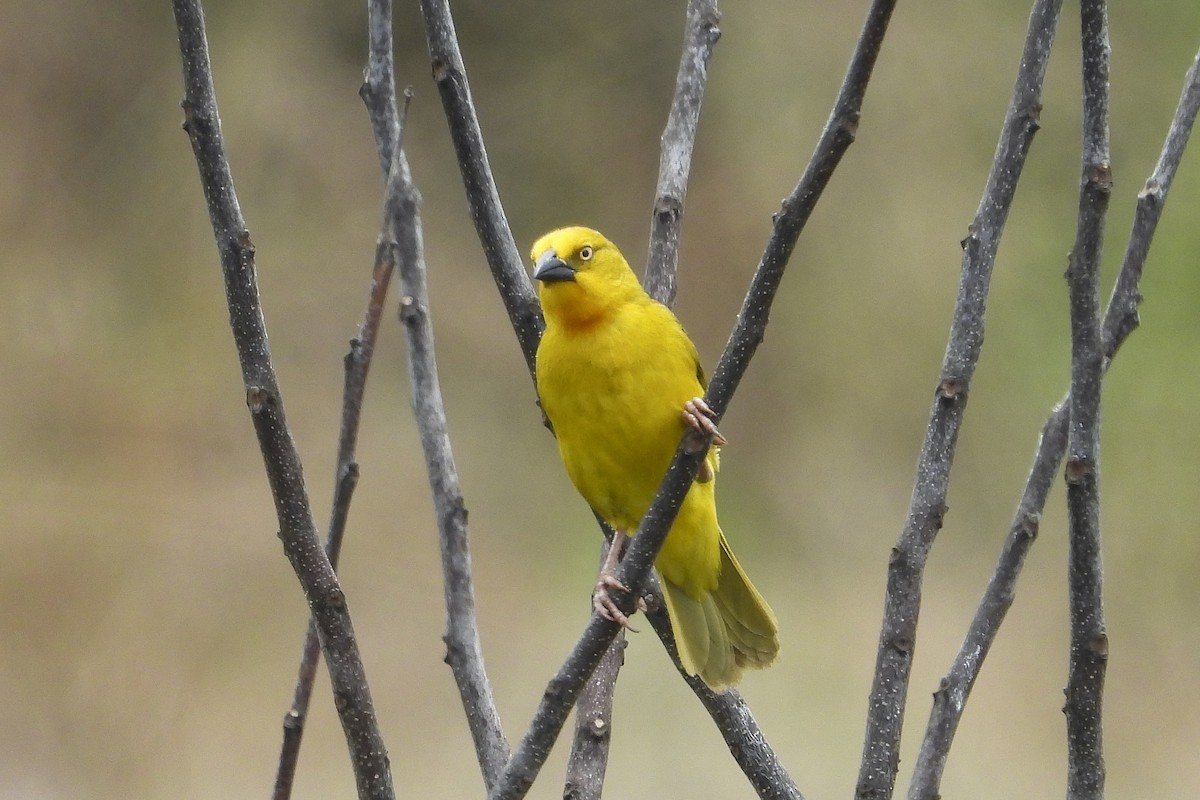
(379, 94)
(746, 741)
(588, 760)
(402, 237)
(378, 90)
(357, 365)
(700, 37)
(1119, 321)
(889, 691)
(491, 226)
(1122, 316)
(1089, 640)
(298, 532)
(790, 220)
(951, 696)
(463, 649)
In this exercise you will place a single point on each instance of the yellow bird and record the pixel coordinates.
(619, 379)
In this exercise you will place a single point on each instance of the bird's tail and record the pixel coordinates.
(724, 631)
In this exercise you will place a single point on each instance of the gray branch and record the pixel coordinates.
(297, 530)
(402, 237)
(1089, 640)
(1120, 320)
(588, 760)
(464, 652)
(747, 743)
(700, 37)
(483, 198)
(378, 92)
(906, 565)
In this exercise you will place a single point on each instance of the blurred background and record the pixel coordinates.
(151, 624)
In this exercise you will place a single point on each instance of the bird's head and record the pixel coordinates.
(581, 275)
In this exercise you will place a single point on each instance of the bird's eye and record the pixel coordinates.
(586, 252)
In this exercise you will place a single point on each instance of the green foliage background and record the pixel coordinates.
(151, 625)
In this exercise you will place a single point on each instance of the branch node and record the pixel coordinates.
(1152, 191)
(668, 207)
(848, 124)
(952, 389)
(1100, 176)
(695, 442)
(598, 727)
(1078, 470)
(1028, 526)
(259, 399)
(652, 602)
(335, 598)
(410, 312)
(441, 70)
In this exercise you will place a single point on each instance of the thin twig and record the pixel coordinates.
(951, 696)
(483, 198)
(298, 532)
(588, 760)
(379, 94)
(378, 90)
(463, 648)
(1122, 316)
(357, 365)
(837, 136)
(1120, 320)
(1089, 640)
(897, 639)
(402, 236)
(700, 37)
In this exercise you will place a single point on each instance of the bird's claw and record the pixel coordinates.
(606, 606)
(698, 415)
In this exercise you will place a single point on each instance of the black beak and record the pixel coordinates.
(550, 268)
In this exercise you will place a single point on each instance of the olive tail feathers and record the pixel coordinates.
(725, 631)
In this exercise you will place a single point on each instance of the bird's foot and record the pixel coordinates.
(698, 416)
(604, 603)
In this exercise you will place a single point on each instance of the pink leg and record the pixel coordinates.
(607, 579)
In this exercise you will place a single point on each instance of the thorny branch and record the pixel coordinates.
(297, 530)
(902, 603)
